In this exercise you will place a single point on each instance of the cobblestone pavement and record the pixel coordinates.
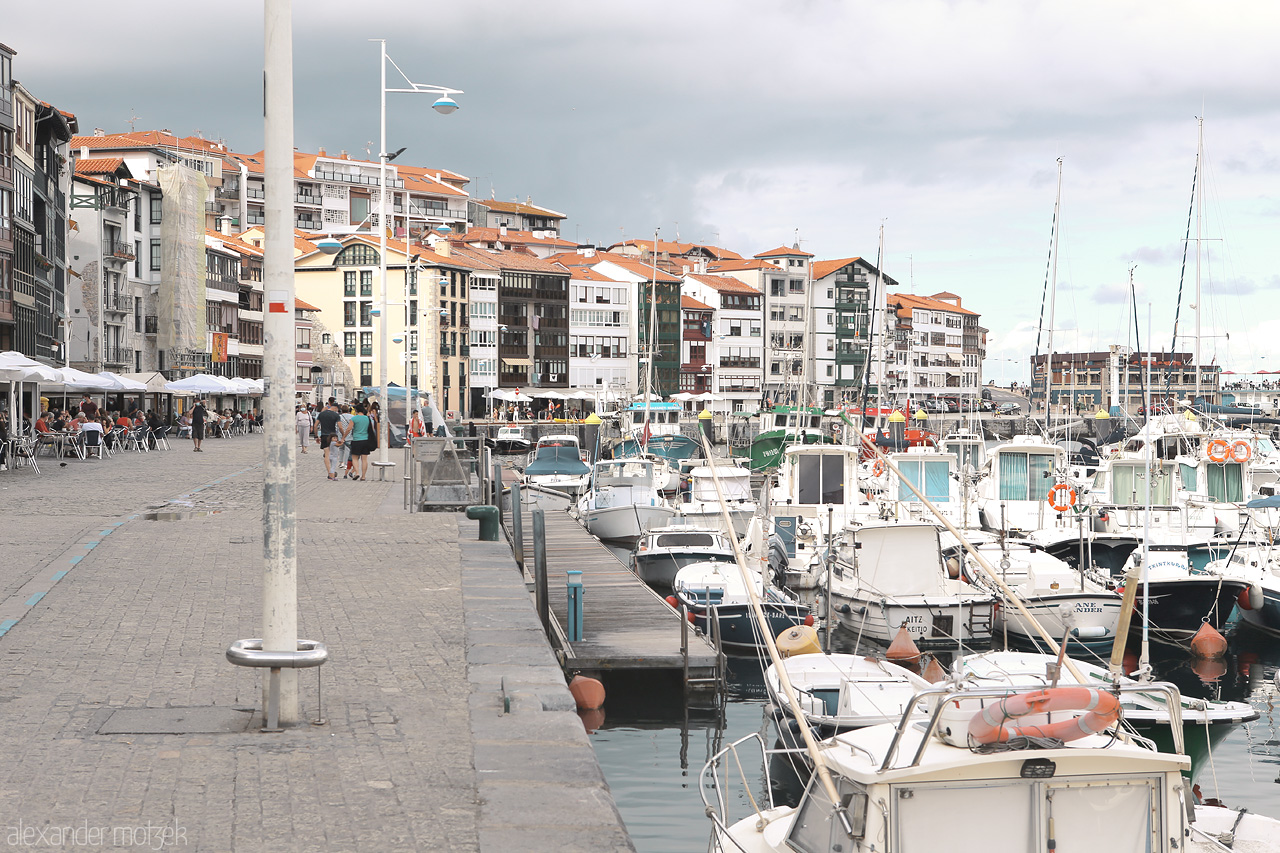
(102, 609)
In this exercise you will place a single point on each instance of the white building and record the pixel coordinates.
(938, 348)
(600, 317)
(736, 346)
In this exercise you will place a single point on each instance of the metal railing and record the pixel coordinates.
(307, 198)
(118, 249)
(254, 192)
(151, 324)
(367, 180)
(117, 355)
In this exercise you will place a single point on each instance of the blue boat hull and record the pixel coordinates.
(738, 632)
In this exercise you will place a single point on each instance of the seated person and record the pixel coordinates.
(91, 430)
(123, 421)
(59, 422)
(42, 423)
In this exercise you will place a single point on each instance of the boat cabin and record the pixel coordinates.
(791, 419)
(662, 418)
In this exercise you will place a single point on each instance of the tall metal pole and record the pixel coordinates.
(382, 258)
(1053, 293)
(280, 560)
(1199, 208)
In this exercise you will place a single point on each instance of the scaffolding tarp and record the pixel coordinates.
(181, 313)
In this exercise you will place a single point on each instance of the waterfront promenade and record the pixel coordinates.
(114, 624)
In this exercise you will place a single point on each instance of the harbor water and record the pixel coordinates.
(652, 747)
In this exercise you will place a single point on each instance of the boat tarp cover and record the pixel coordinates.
(736, 485)
(901, 559)
(556, 460)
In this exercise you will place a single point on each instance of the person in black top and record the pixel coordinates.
(198, 415)
(327, 427)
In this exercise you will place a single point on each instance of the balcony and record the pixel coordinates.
(255, 192)
(752, 363)
(118, 249)
(306, 223)
(307, 198)
(367, 180)
(151, 324)
(117, 355)
(229, 189)
(117, 301)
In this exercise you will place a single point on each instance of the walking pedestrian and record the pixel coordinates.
(327, 423)
(344, 433)
(198, 414)
(302, 420)
(361, 441)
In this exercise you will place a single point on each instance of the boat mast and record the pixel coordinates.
(1199, 190)
(653, 336)
(1144, 657)
(1053, 292)
(882, 304)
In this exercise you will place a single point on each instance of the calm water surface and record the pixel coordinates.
(653, 749)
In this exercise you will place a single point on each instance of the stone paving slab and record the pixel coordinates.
(412, 694)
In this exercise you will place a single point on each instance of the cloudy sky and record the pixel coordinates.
(746, 124)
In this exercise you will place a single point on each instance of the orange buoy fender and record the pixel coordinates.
(587, 693)
(933, 672)
(1208, 642)
(903, 648)
(1103, 709)
(1251, 598)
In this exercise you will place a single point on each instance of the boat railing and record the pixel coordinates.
(718, 776)
(948, 694)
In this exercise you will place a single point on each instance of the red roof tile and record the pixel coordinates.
(784, 251)
(822, 269)
(636, 266)
(723, 283)
(691, 303)
(99, 165)
(744, 264)
(521, 208)
(906, 302)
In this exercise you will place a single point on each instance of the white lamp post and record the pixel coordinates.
(444, 105)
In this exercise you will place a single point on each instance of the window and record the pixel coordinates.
(777, 287)
(413, 312)
(349, 343)
(156, 202)
(349, 283)
(936, 485)
(797, 285)
(366, 343)
(357, 255)
(137, 259)
(796, 313)
(155, 255)
(366, 373)
(348, 313)
(302, 337)
(366, 282)
(821, 479)
(366, 313)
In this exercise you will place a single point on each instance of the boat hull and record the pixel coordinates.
(1094, 616)
(737, 623)
(1267, 617)
(659, 569)
(931, 622)
(625, 522)
(1179, 606)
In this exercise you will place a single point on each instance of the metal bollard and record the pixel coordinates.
(575, 606)
(517, 525)
(542, 599)
(488, 518)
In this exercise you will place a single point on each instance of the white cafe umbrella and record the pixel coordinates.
(122, 383)
(16, 367)
(77, 380)
(201, 383)
(551, 395)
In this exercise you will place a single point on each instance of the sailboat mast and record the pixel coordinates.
(1199, 209)
(882, 303)
(1053, 292)
(653, 337)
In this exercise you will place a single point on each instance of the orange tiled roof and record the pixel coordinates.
(515, 238)
(906, 302)
(585, 273)
(305, 306)
(784, 251)
(637, 266)
(822, 269)
(234, 243)
(521, 208)
(677, 249)
(502, 259)
(99, 165)
(743, 264)
(723, 283)
(691, 303)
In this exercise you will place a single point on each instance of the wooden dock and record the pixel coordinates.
(626, 625)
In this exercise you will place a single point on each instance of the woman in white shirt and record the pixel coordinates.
(302, 419)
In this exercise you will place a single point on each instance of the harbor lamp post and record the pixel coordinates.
(445, 104)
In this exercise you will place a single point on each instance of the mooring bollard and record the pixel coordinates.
(575, 606)
(488, 518)
(517, 525)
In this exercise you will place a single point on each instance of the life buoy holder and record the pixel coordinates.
(1218, 450)
(1062, 497)
(877, 468)
(1241, 451)
(1103, 709)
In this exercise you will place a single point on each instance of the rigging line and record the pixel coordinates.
(1182, 276)
(1044, 299)
(1137, 340)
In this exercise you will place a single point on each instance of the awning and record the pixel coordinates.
(518, 362)
(957, 359)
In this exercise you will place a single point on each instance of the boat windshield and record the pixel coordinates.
(624, 470)
(932, 477)
(678, 540)
(1129, 484)
(967, 453)
(557, 442)
(1225, 482)
(1025, 476)
(820, 478)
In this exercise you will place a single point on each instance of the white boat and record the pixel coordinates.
(1056, 595)
(919, 786)
(839, 692)
(663, 551)
(622, 501)
(889, 576)
(715, 590)
(701, 502)
(557, 463)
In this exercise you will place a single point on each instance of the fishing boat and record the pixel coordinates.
(556, 463)
(663, 551)
(839, 692)
(622, 501)
(782, 427)
(964, 779)
(717, 591)
(655, 428)
(890, 576)
(1074, 603)
(510, 439)
(700, 501)
(1205, 723)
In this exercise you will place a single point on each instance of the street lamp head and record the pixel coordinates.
(443, 229)
(395, 154)
(445, 105)
(397, 339)
(329, 245)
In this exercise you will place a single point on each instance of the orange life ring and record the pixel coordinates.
(1067, 503)
(1103, 709)
(878, 468)
(1218, 450)
(1241, 451)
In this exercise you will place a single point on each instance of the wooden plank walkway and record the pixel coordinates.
(626, 625)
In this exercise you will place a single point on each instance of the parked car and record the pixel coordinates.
(1008, 409)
